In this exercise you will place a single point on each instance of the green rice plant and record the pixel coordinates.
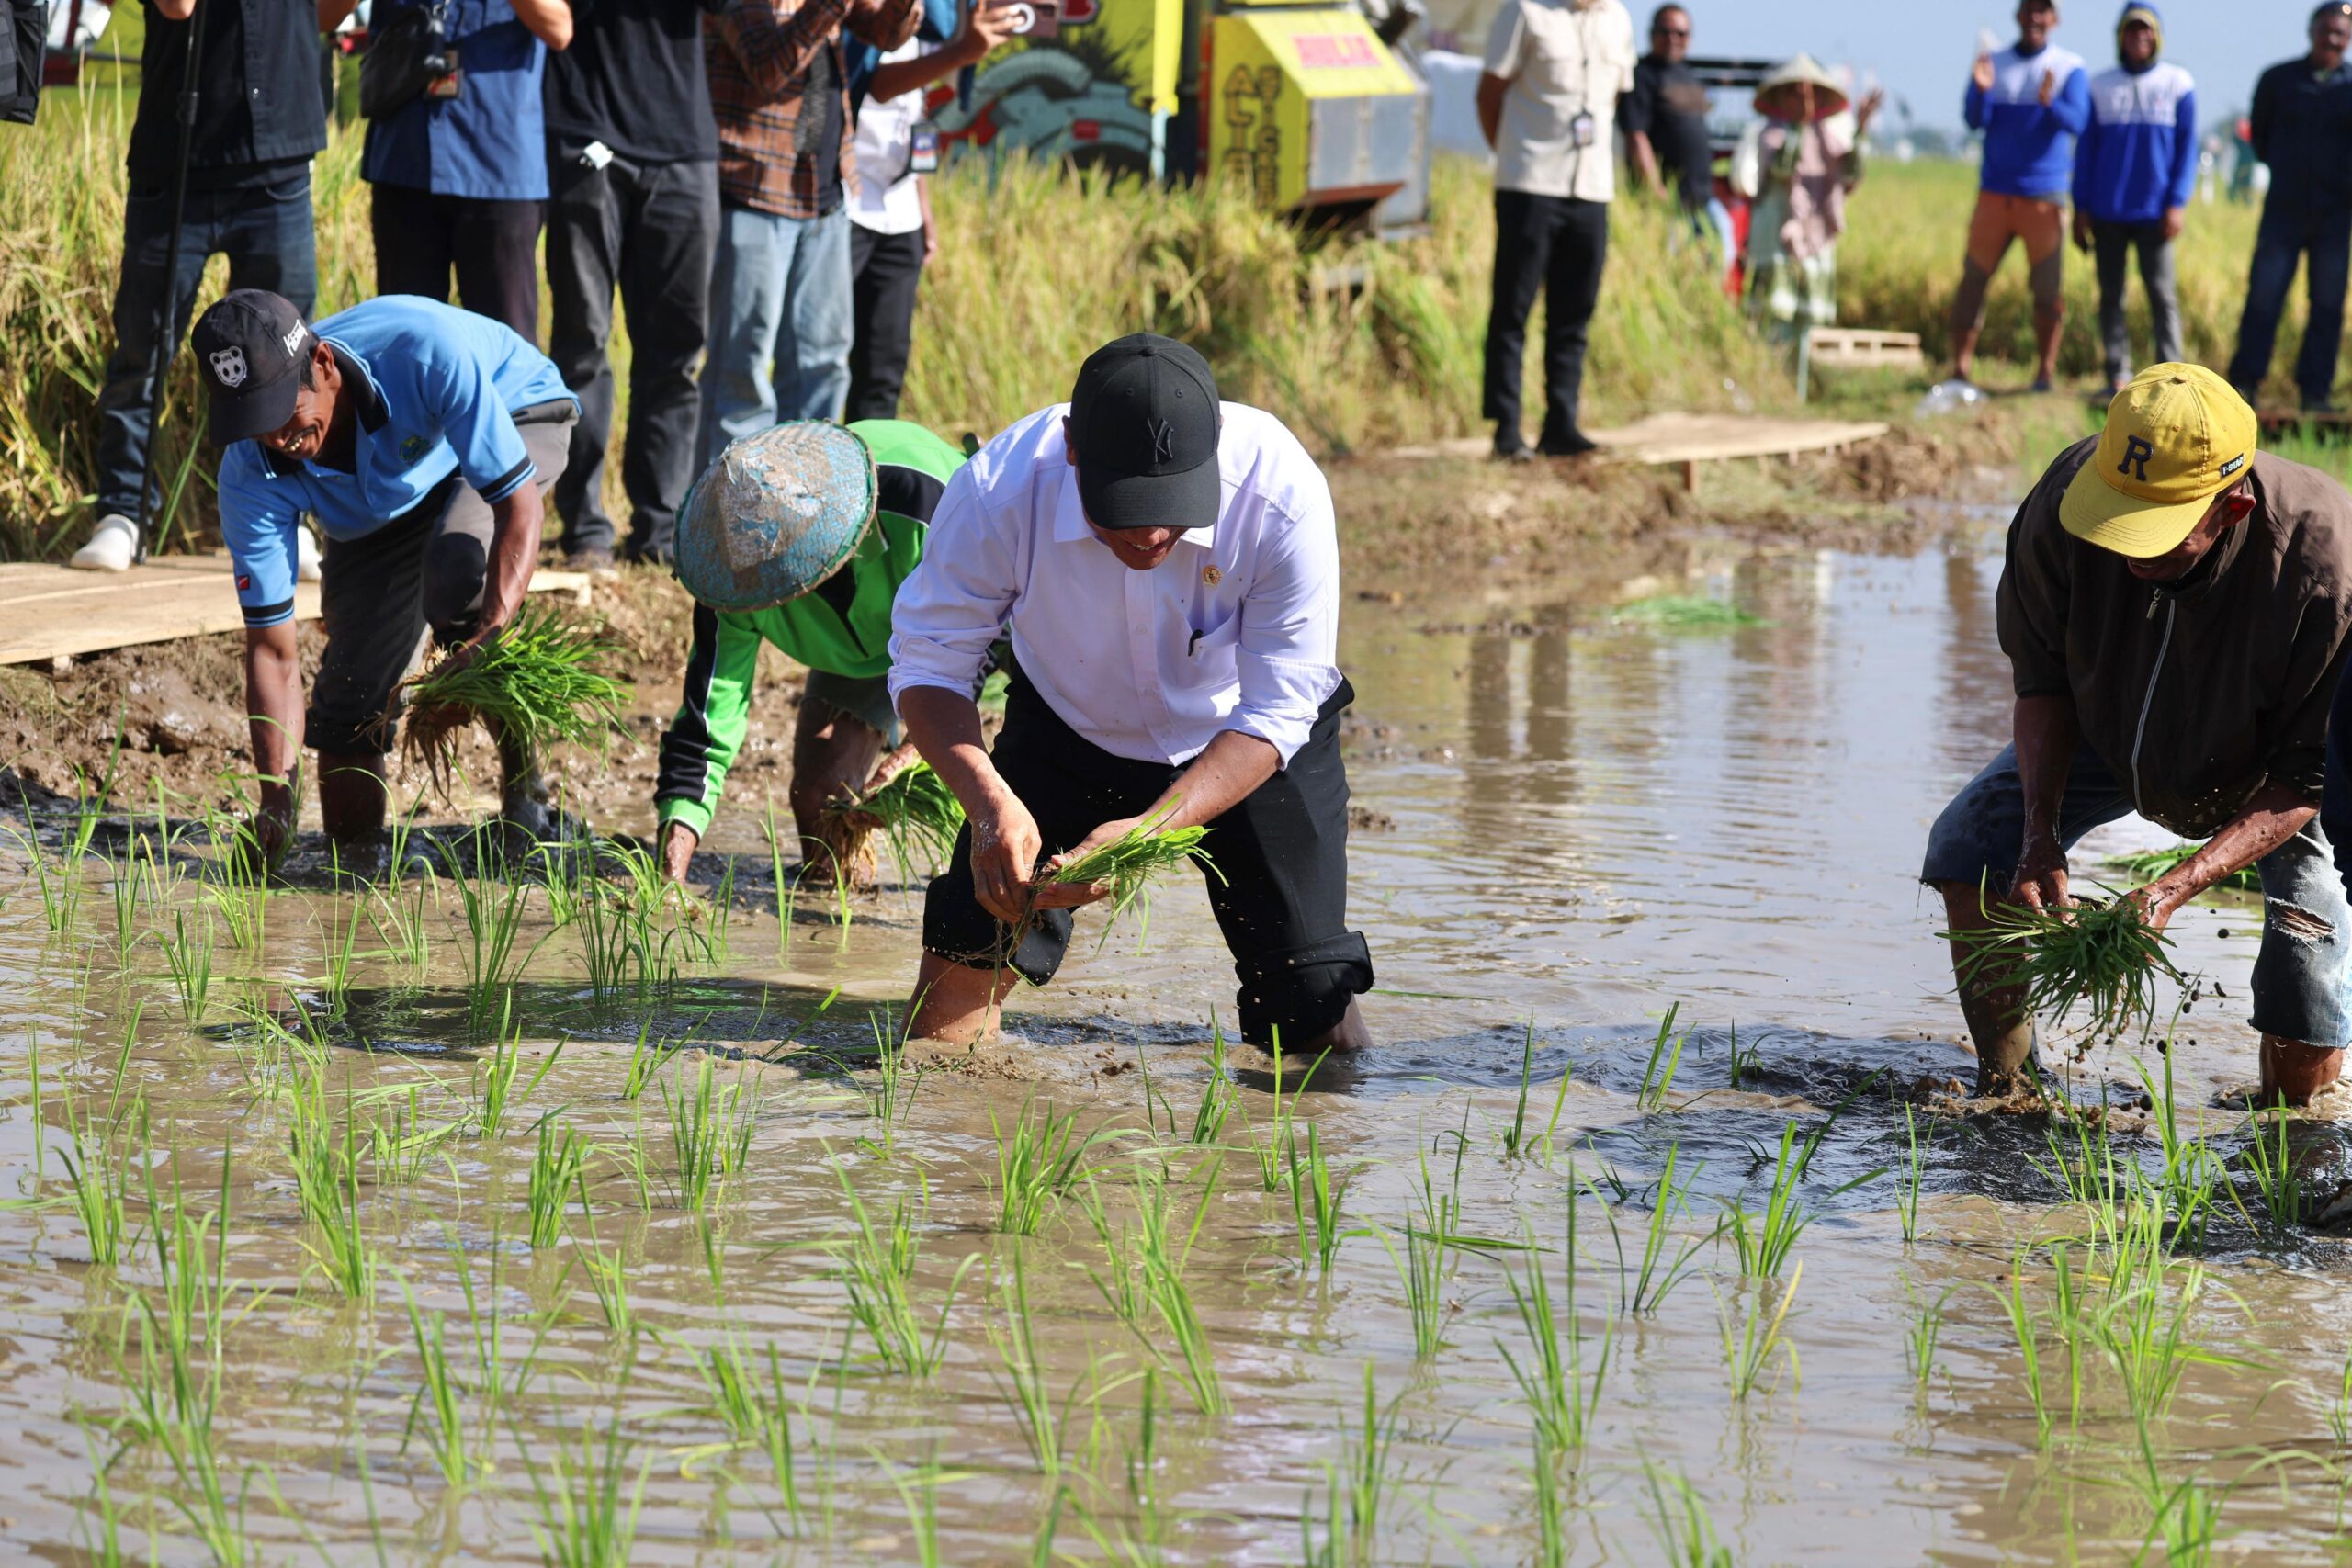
(782, 882)
(326, 1159)
(1274, 1166)
(1355, 1488)
(99, 1183)
(1906, 1200)
(1025, 1371)
(2285, 1202)
(1765, 1247)
(2102, 957)
(1128, 864)
(441, 1395)
(608, 1277)
(499, 1087)
(1678, 1520)
(2193, 1175)
(1658, 1073)
(587, 1503)
(2021, 1317)
(540, 681)
(710, 1134)
(189, 960)
(918, 1490)
(122, 891)
(1517, 1141)
(2145, 1332)
(1921, 1340)
(1744, 1064)
(2339, 1406)
(918, 815)
(895, 1083)
(2145, 865)
(493, 910)
(648, 1058)
(1315, 1195)
(237, 882)
(1421, 1270)
(1147, 1275)
(1682, 612)
(401, 1144)
(557, 1175)
(60, 884)
(1218, 1094)
(1751, 1338)
(1040, 1161)
(874, 1267)
(1563, 1395)
(756, 1411)
(2188, 1522)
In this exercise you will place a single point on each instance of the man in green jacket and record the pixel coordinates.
(798, 537)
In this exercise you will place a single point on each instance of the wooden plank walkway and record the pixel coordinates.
(54, 611)
(1690, 439)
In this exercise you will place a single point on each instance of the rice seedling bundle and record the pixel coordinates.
(540, 680)
(2102, 958)
(915, 810)
(1129, 864)
(2146, 865)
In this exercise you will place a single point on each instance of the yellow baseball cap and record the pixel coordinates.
(2178, 436)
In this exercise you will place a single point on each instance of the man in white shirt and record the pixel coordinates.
(1168, 569)
(1547, 103)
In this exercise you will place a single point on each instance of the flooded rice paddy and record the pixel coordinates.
(352, 1227)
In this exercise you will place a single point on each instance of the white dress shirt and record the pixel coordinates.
(1563, 58)
(884, 145)
(1237, 629)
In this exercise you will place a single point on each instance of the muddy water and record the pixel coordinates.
(1574, 828)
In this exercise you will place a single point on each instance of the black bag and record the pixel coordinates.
(24, 37)
(403, 57)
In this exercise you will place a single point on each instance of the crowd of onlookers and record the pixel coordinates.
(747, 177)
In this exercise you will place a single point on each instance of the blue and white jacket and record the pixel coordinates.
(2029, 148)
(2138, 155)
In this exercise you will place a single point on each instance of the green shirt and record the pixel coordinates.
(843, 628)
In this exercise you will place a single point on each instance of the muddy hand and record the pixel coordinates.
(2040, 879)
(1005, 842)
(1074, 895)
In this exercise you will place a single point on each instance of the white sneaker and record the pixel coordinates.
(306, 555)
(112, 543)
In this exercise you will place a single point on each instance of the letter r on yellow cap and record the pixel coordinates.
(2136, 453)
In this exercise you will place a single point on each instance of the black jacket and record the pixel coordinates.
(258, 99)
(2303, 128)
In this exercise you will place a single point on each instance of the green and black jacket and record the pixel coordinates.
(842, 628)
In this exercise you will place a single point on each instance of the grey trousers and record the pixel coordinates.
(381, 594)
(2109, 243)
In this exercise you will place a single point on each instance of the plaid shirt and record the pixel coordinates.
(762, 54)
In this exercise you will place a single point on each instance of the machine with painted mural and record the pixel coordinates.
(1303, 105)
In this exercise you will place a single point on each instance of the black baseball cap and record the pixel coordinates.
(250, 349)
(1143, 430)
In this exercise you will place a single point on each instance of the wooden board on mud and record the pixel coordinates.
(54, 611)
(1690, 439)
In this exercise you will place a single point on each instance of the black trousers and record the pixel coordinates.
(2288, 232)
(1280, 886)
(492, 246)
(1556, 244)
(886, 270)
(649, 229)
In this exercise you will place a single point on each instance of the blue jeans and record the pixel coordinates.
(780, 324)
(2300, 975)
(2284, 234)
(264, 231)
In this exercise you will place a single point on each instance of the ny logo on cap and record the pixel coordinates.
(1163, 440)
(2136, 453)
(229, 366)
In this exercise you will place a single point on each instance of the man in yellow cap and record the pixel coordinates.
(2177, 607)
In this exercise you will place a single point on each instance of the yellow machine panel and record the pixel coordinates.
(1306, 107)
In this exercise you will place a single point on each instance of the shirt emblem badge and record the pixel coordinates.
(1212, 575)
(414, 448)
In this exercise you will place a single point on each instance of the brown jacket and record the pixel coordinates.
(2195, 695)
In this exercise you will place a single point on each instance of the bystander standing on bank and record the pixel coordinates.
(1547, 103)
(2133, 170)
(2302, 127)
(1665, 118)
(258, 124)
(780, 292)
(459, 173)
(891, 232)
(2031, 100)
(632, 158)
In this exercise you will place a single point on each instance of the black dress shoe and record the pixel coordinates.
(1512, 448)
(1575, 444)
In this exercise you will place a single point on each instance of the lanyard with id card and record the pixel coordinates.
(923, 155)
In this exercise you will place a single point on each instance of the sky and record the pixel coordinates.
(1921, 49)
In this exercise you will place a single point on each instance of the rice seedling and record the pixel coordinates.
(587, 1503)
(1561, 1394)
(2192, 1174)
(918, 1492)
(608, 1279)
(1315, 1199)
(1764, 1248)
(122, 895)
(1658, 1073)
(1421, 1270)
(1751, 1338)
(1665, 1260)
(874, 1267)
(60, 884)
(2270, 1160)
(1354, 1489)
(2102, 957)
(1274, 1166)
(648, 1058)
(2145, 1332)
(557, 1176)
(237, 881)
(895, 1083)
(99, 1183)
(494, 909)
(327, 1172)
(400, 1143)
(1682, 612)
(2145, 865)
(2021, 1318)
(1744, 1064)
(541, 682)
(2339, 1406)
(1921, 1340)
(1147, 1274)
(1516, 1138)
(189, 960)
(918, 815)
(1042, 1159)
(782, 882)
(496, 1079)
(1024, 1372)
(1679, 1519)
(1128, 865)
(1218, 1094)
(757, 1413)
(1906, 1202)
(710, 1134)
(441, 1395)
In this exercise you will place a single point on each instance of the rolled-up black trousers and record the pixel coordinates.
(1279, 886)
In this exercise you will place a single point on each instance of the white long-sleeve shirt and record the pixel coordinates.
(1237, 629)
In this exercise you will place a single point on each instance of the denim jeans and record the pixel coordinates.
(780, 324)
(2299, 973)
(2112, 243)
(2284, 234)
(265, 232)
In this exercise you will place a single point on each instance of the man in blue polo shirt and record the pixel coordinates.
(422, 439)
